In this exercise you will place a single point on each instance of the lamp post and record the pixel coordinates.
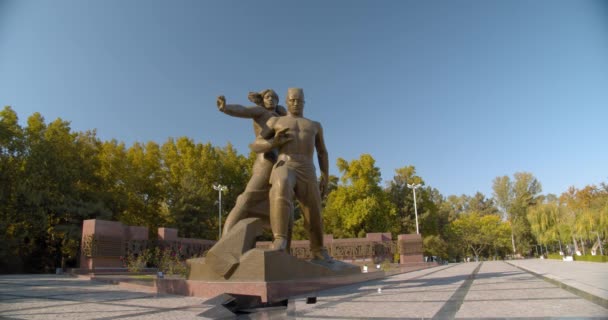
(220, 188)
(414, 187)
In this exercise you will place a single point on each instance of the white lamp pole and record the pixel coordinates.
(219, 189)
(414, 187)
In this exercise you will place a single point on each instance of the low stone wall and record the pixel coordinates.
(375, 247)
(104, 243)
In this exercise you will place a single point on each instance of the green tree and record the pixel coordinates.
(434, 245)
(484, 206)
(403, 199)
(12, 222)
(587, 209)
(58, 188)
(514, 198)
(479, 233)
(358, 205)
(192, 170)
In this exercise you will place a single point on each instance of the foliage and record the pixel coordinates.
(136, 262)
(435, 246)
(358, 205)
(550, 222)
(514, 198)
(578, 216)
(403, 198)
(475, 233)
(52, 178)
(169, 260)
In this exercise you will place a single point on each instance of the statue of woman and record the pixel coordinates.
(253, 202)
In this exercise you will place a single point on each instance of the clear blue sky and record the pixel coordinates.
(463, 90)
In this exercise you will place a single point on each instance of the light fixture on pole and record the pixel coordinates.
(414, 187)
(220, 188)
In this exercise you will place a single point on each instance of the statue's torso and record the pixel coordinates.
(303, 133)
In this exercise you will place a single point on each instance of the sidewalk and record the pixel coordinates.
(479, 290)
(590, 278)
(476, 290)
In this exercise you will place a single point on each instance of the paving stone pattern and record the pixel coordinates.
(485, 290)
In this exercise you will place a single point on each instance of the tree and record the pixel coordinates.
(479, 203)
(587, 209)
(52, 178)
(514, 198)
(479, 233)
(403, 199)
(434, 245)
(12, 222)
(358, 205)
(57, 188)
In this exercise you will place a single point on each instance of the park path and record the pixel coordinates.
(483, 290)
(463, 291)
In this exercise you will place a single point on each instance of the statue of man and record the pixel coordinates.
(253, 202)
(294, 174)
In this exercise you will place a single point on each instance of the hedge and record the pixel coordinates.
(591, 258)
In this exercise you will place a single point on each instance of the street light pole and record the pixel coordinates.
(414, 187)
(220, 188)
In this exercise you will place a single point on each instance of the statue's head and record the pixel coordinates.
(295, 101)
(271, 99)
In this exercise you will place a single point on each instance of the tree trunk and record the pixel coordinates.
(513, 241)
(575, 244)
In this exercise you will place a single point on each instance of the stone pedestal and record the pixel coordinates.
(266, 266)
(410, 248)
(234, 265)
(235, 258)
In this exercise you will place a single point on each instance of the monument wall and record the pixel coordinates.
(105, 242)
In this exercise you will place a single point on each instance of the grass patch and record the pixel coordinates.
(591, 258)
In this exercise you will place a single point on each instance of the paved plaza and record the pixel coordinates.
(520, 289)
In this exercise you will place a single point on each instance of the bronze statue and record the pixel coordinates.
(284, 170)
(294, 174)
(253, 202)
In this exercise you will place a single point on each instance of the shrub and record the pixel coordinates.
(136, 262)
(385, 265)
(170, 262)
